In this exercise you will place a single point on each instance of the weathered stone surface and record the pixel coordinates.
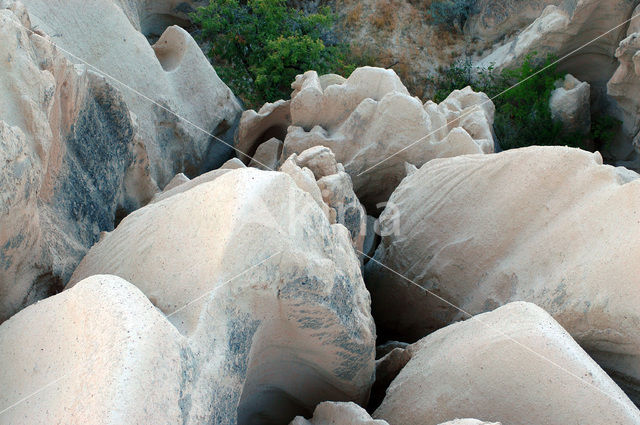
(469, 422)
(256, 128)
(336, 413)
(267, 156)
(268, 277)
(570, 104)
(99, 353)
(493, 20)
(72, 164)
(565, 27)
(623, 87)
(173, 73)
(549, 225)
(516, 365)
(332, 191)
(371, 118)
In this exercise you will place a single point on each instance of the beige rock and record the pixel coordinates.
(570, 104)
(549, 225)
(256, 128)
(267, 156)
(370, 118)
(335, 413)
(493, 20)
(515, 364)
(263, 273)
(623, 87)
(333, 190)
(565, 27)
(99, 353)
(172, 74)
(72, 164)
(469, 422)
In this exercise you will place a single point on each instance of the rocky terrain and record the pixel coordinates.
(351, 254)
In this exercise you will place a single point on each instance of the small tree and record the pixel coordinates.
(451, 12)
(259, 46)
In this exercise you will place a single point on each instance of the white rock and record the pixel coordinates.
(335, 413)
(571, 105)
(173, 73)
(594, 26)
(256, 128)
(369, 120)
(267, 155)
(99, 353)
(279, 314)
(516, 365)
(71, 162)
(549, 225)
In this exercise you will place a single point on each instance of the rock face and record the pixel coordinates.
(570, 104)
(622, 87)
(370, 118)
(316, 172)
(557, 228)
(173, 74)
(72, 163)
(277, 311)
(493, 20)
(101, 348)
(483, 368)
(564, 26)
(332, 413)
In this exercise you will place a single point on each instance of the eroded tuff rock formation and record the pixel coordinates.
(370, 120)
(82, 150)
(557, 228)
(556, 385)
(623, 87)
(280, 317)
(173, 73)
(71, 162)
(561, 28)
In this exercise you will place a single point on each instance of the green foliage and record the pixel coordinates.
(451, 12)
(603, 129)
(521, 96)
(259, 46)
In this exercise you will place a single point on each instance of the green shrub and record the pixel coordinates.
(451, 12)
(259, 46)
(521, 96)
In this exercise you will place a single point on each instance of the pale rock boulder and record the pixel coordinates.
(492, 20)
(336, 413)
(370, 120)
(515, 365)
(269, 293)
(99, 353)
(172, 75)
(181, 183)
(623, 86)
(570, 104)
(255, 128)
(317, 172)
(72, 163)
(267, 156)
(469, 422)
(565, 26)
(548, 225)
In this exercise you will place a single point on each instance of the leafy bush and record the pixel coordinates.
(451, 12)
(521, 96)
(259, 46)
